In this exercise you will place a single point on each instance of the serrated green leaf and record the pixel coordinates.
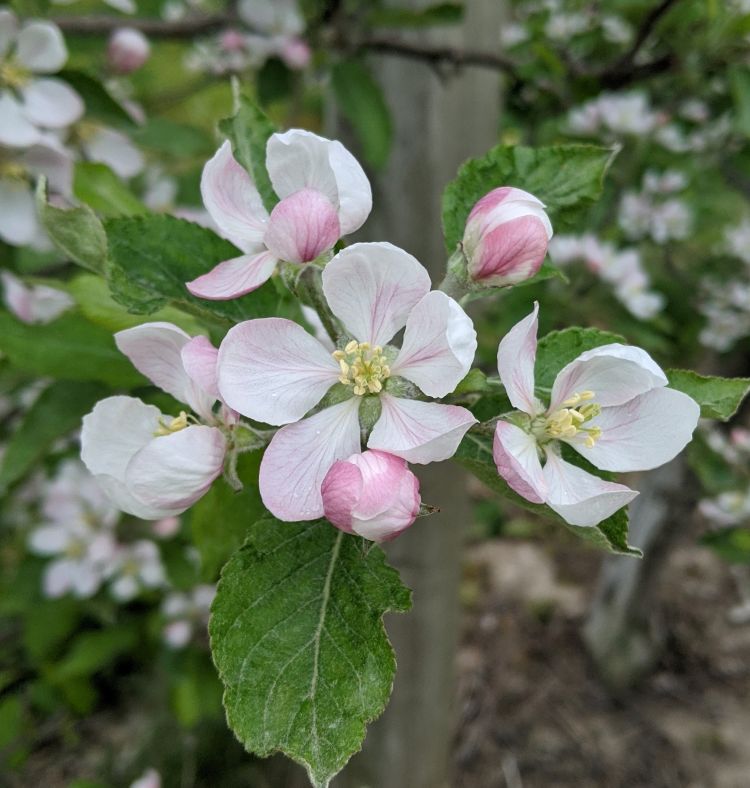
(76, 232)
(69, 348)
(566, 178)
(298, 638)
(151, 257)
(718, 397)
(475, 454)
(97, 186)
(559, 348)
(57, 412)
(248, 130)
(362, 103)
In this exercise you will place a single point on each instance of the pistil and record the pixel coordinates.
(363, 367)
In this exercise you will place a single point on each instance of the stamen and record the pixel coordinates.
(567, 422)
(175, 425)
(363, 367)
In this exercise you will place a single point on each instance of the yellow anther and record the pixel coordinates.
(571, 402)
(351, 347)
(568, 421)
(175, 425)
(14, 75)
(363, 367)
(584, 395)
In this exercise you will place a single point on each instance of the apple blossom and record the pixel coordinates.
(28, 102)
(324, 194)
(273, 371)
(151, 465)
(110, 147)
(611, 404)
(150, 778)
(34, 303)
(506, 237)
(134, 568)
(127, 50)
(186, 612)
(372, 494)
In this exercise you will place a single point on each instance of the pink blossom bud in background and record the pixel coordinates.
(506, 237)
(295, 52)
(232, 41)
(372, 494)
(128, 50)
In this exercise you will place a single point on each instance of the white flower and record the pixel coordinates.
(186, 613)
(134, 568)
(35, 303)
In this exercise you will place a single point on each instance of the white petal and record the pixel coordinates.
(231, 198)
(200, 359)
(234, 278)
(299, 457)
(51, 103)
(51, 158)
(372, 288)
(114, 149)
(579, 497)
(59, 577)
(516, 356)
(125, 501)
(615, 373)
(643, 433)
(273, 371)
(8, 30)
(420, 432)
(49, 539)
(41, 48)
(155, 349)
(86, 580)
(19, 224)
(517, 461)
(16, 130)
(300, 159)
(173, 471)
(439, 345)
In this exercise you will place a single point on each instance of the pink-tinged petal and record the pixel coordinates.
(372, 288)
(59, 577)
(114, 149)
(419, 432)
(40, 47)
(174, 471)
(233, 278)
(273, 371)
(302, 226)
(615, 373)
(51, 103)
(199, 360)
(300, 159)
(299, 456)
(516, 355)
(439, 345)
(16, 130)
(517, 460)
(233, 201)
(19, 224)
(372, 494)
(579, 497)
(119, 494)
(16, 296)
(644, 433)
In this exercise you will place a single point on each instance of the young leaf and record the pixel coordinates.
(719, 398)
(97, 186)
(76, 232)
(248, 130)
(566, 178)
(57, 412)
(362, 103)
(298, 639)
(151, 258)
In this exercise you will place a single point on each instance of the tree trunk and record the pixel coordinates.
(438, 123)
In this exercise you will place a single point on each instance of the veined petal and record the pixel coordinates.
(117, 492)
(644, 433)
(517, 460)
(579, 497)
(40, 47)
(232, 199)
(300, 159)
(420, 432)
(233, 278)
(299, 456)
(175, 470)
(615, 373)
(439, 345)
(273, 371)
(200, 362)
(16, 130)
(516, 356)
(372, 288)
(51, 103)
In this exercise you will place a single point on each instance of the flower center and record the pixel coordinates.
(175, 425)
(363, 367)
(568, 422)
(14, 75)
(11, 170)
(75, 549)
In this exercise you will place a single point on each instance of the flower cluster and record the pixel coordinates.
(654, 212)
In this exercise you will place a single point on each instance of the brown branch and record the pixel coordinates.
(101, 25)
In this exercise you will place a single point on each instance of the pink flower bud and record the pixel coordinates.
(506, 237)
(232, 41)
(372, 494)
(128, 50)
(295, 52)
(302, 226)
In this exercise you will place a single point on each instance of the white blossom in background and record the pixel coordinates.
(615, 113)
(107, 146)
(149, 779)
(725, 305)
(616, 29)
(135, 568)
(561, 27)
(33, 303)
(123, 6)
(737, 240)
(186, 614)
(512, 34)
(727, 509)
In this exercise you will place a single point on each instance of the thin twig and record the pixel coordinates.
(102, 24)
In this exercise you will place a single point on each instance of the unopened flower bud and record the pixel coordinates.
(506, 237)
(372, 494)
(295, 52)
(128, 50)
